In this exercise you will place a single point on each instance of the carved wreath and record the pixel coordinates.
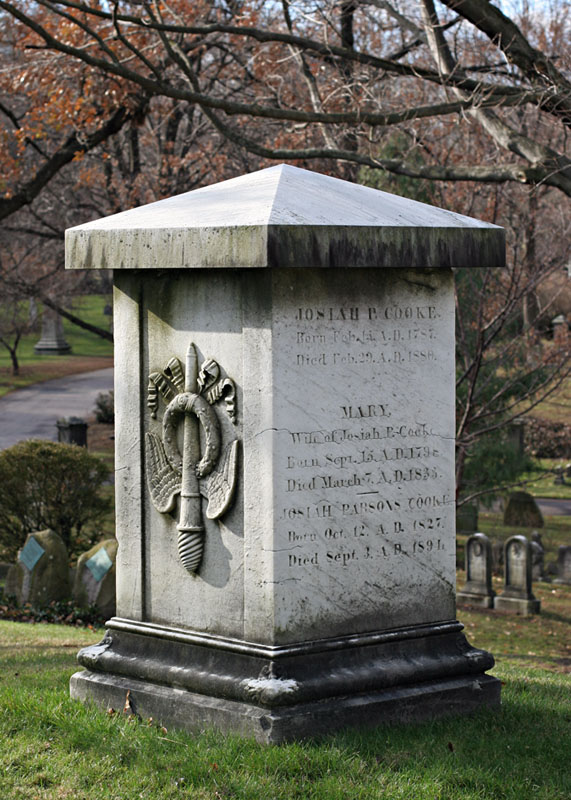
(195, 472)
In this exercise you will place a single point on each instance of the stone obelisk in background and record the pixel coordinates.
(314, 446)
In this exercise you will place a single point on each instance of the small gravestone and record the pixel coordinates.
(537, 558)
(564, 565)
(467, 518)
(53, 340)
(522, 511)
(478, 588)
(94, 582)
(516, 435)
(559, 477)
(285, 458)
(41, 574)
(72, 430)
(517, 597)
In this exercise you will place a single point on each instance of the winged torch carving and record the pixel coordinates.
(190, 396)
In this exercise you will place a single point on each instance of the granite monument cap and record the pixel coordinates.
(284, 216)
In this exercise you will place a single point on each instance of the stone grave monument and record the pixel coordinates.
(94, 581)
(41, 573)
(517, 597)
(53, 341)
(522, 510)
(285, 457)
(563, 564)
(478, 588)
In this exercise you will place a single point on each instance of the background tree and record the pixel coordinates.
(110, 105)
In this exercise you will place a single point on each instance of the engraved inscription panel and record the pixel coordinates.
(477, 562)
(517, 560)
(364, 451)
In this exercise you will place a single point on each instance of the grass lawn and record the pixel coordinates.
(556, 407)
(542, 480)
(89, 352)
(51, 747)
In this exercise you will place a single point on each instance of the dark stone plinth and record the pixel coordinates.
(274, 694)
(517, 605)
(475, 599)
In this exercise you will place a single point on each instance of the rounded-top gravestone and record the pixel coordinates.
(94, 582)
(41, 574)
(522, 510)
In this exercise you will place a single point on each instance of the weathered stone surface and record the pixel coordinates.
(278, 693)
(41, 573)
(325, 580)
(284, 217)
(478, 588)
(95, 577)
(517, 597)
(522, 510)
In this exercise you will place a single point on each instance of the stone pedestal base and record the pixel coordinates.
(471, 599)
(275, 694)
(516, 605)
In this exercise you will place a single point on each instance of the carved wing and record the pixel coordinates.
(163, 481)
(220, 484)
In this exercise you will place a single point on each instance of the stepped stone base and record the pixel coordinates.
(275, 694)
(471, 599)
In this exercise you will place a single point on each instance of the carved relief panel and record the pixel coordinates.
(203, 463)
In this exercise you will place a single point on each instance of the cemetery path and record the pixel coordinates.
(31, 413)
(550, 507)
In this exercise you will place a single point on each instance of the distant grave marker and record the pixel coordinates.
(41, 574)
(564, 565)
(95, 577)
(517, 597)
(478, 588)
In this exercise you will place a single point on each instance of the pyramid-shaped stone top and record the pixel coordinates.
(289, 217)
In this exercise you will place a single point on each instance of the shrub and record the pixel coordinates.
(63, 612)
(50, 485)
(105, 408)
(546, 439)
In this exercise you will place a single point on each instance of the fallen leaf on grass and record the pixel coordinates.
(128, 707)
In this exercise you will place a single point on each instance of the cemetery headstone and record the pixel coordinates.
(53, 341)
(285, 458)
(517, 597)
(516, 435)
(522, 510)
(94, 582)
(72, 430)
(478, 588)
(564, 565)
(559, 476)
(41, 573)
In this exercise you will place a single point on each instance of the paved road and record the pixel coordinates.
(32, 413)
(554, 507)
